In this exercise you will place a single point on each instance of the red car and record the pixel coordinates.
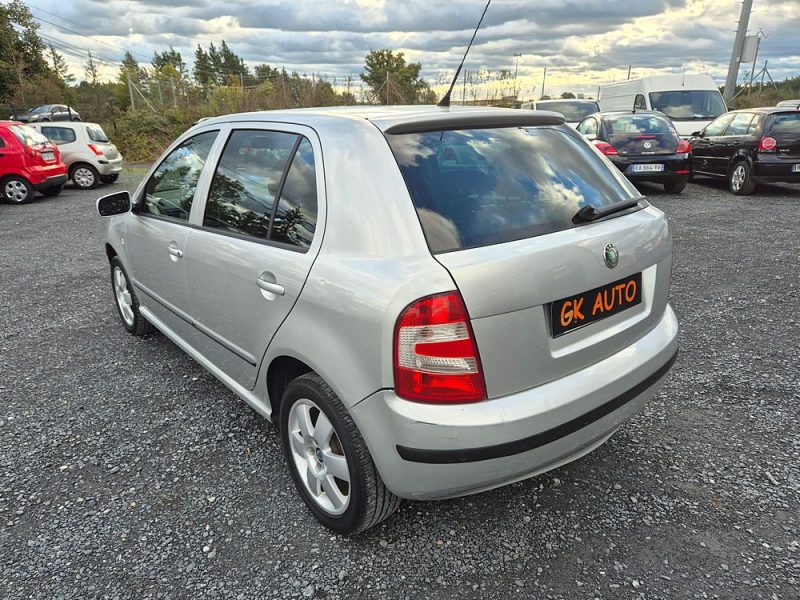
(28, 162)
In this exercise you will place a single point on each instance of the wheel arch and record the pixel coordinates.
(282, 370)
(741, 155)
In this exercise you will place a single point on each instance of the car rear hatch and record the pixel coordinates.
(784, 128)
(497, 208)
(641, 134)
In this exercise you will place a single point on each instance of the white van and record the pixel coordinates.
(690, 101)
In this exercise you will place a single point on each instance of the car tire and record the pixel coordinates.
(85, 177)
(346, 506)
(740, 180)
(127, 301)
(675, 187)
(109, 178)
(53, 191)
(16, 190)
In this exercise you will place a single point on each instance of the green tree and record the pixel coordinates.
(22, 52)
(392, 80)
(169, 63)
(60, 68)
(568, 96)
(203, 67)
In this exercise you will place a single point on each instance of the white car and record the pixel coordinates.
(90, 157)
(574, 110)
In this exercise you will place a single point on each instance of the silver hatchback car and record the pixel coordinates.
(427, 302)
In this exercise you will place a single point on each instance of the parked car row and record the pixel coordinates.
(47, 112)
(41, 157)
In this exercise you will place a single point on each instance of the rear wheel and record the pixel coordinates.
(53, 191)
(329, 461)
(127, 302)
(84, 176)
(675, 187)
(740, 181)
(17, 190)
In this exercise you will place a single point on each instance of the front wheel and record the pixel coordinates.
(675, 187)
(17, 190)
(85, 177)
(127, 302)
(740, 180)
(328, 460)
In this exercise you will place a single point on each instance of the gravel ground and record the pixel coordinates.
(126, 471)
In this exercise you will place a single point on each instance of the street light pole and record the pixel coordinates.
(516, 68)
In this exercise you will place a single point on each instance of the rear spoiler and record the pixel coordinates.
(448, 120)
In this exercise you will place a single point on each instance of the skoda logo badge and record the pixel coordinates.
(647, 145)
(610, 256)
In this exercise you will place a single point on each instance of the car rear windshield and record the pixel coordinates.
(687, 105)
(488, 186)
(96, 133)
(27, 135)
(572, 111)
(637, 124)
(785, 124)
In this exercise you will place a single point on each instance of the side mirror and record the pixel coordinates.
(697, 134)
(114, 204)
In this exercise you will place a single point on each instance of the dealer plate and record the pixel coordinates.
(574, 312)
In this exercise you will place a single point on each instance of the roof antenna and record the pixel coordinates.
(445, 101)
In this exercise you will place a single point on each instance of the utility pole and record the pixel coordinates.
(130, 91)
(174, 99)
(736, 55)
(387, 88)
(629, 71)
(544, 78)
(464, 89)
(516, 69)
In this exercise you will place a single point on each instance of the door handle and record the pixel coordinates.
(270, 286)
(174, 252)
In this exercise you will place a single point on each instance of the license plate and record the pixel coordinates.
(576, 311)
(795, 168)
(48, 156)
(647, 168)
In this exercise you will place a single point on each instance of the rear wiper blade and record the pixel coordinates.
(589, 213)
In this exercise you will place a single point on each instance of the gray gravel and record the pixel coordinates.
(126, 471)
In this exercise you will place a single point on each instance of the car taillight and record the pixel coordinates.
(767, 144)
(684, 147)
(30, 151)
(94, 149)
(435, 355)
(606, 148)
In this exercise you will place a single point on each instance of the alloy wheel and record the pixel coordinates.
(83, 177)
(738, 177)
(124, 300)
(318, 457)
(16, 191)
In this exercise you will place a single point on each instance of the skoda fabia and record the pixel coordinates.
(427, 302)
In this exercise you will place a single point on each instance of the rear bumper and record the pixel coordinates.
(776, 170)
(437, 451)
(107, 166)
(50, 182)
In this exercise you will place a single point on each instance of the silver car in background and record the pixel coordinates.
(427, 302)
(90, 156)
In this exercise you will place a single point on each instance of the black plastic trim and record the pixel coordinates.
(465, 455)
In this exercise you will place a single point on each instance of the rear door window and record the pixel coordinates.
(170, 190)
(488, 186)
(59, 135)
(247, 180)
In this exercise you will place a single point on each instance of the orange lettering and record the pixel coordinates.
(566, 315)
(618, 289)
(608, 305)
(577, 309)
(630, 287)
(598, 304)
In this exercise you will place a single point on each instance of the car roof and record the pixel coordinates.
(560, 100)
(766, 109)
(619, 113)
(404, 118)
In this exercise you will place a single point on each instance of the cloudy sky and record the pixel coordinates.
(581, 42)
